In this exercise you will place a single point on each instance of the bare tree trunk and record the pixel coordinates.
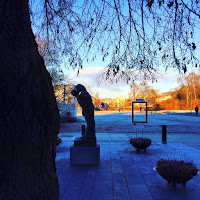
(64, 94)
(187, 94)
(29, 118)
(195, 96)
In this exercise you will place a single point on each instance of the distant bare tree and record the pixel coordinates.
(143, 91)
(52, 59)
(134, 91)
(190, 84)
(49, 51)
(97, 101)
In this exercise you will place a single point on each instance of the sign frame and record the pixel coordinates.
(133, 102)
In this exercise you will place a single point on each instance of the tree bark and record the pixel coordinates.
(29, 117)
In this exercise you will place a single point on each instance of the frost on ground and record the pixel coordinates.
(121, 122)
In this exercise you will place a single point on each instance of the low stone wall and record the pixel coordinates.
(66, 102)
(67, 110)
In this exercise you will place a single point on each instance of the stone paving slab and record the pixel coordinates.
(123, 173)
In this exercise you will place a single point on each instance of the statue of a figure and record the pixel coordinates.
(85, 101)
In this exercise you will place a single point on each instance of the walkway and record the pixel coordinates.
(123, 173)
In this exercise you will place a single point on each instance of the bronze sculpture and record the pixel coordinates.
(85, 101)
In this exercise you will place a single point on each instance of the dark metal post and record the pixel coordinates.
(83, 129)
(64, 94)
(164, 134)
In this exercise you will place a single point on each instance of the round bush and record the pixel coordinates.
(176, 171)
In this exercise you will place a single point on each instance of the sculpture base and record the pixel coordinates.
(80, 142)
(85, 155)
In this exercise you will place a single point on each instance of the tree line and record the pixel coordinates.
(185, 97)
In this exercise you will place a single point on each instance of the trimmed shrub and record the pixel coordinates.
(176, 171)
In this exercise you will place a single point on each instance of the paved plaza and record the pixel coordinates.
(123, 173)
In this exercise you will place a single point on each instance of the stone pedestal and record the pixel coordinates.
(85, 155)
(89, 142)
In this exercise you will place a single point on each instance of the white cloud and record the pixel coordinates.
(88, 77)
(168, 80)
(88, 73)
